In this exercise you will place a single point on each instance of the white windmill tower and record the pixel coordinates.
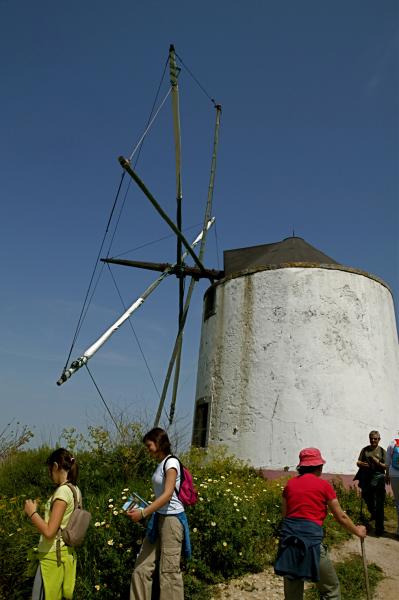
(296, 350)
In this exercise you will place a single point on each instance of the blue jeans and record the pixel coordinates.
(328, 585)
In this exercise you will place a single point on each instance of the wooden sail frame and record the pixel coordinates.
(179, 269)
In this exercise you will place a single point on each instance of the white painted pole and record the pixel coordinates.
(82, 360)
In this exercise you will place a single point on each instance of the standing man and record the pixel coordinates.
(372, 465)
(392, 475)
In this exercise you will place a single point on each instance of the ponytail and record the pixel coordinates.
(66, 461)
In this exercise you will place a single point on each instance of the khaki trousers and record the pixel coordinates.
(328, 585)
(163, 555)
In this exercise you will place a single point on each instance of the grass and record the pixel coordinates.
(352, 580)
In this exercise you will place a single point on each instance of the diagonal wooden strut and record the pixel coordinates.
(126, 165)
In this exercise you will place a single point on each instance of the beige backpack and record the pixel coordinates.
(75, 531)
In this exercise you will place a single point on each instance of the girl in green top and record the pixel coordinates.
(55, 579)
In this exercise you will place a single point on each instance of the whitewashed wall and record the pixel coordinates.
(297, 357)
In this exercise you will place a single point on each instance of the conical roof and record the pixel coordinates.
(288, 251)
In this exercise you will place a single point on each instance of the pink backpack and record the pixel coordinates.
(187, 493)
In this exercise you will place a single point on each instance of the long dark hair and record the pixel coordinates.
(160, 439)
(312, 469)
(66, 461)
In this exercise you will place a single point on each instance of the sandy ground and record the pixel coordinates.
(383, 551)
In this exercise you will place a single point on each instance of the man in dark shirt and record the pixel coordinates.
(372, 465)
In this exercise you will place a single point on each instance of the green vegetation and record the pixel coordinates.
(351, 576)
(12, 437)
(233, 526)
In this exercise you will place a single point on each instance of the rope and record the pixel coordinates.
(92, 295)
(161, 239)
(82, 313)
(134, 333)
(196, 80)
(152, 109)
(150, 124)
(104, 402)
(86, 303)
(118, 218)
(139, 146)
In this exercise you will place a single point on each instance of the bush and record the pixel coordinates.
(106, 560)
(12, 438)
(25, 471)
(16, 537)
(234, 525)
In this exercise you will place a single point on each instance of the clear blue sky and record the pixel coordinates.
(309, 140)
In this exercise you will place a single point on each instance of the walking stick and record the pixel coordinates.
(366, 573)
(361, 509)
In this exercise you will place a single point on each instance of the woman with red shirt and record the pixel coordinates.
(302, 556)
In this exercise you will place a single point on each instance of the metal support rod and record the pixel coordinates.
(208, 210)
(174, 71)
(179, 195)
(176, 349)
(126, 165)
(176, 378)
(173, 358)
(150, 266)
(179, 341)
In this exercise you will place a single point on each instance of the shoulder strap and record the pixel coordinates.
(75, 494)
(181, 470)
(166, 460)
(71, 487)
(59, 532)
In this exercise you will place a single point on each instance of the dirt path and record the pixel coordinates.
(383, 551)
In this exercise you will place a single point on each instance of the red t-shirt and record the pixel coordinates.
(307, 496)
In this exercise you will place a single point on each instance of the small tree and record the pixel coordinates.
(12, 438)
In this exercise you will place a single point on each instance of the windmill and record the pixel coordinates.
(184, 250)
